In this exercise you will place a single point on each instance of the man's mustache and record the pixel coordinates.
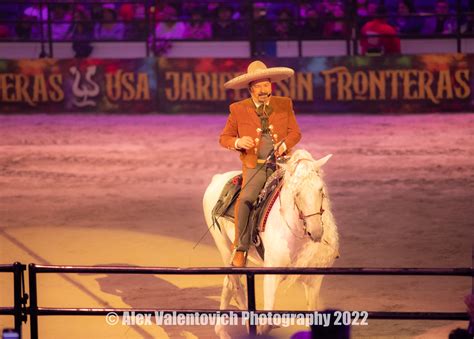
(264, 93)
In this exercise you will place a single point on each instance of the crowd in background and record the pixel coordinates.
(82, 22)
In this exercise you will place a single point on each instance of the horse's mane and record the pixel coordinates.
(300, 170)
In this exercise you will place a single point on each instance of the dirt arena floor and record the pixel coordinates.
(124, 189)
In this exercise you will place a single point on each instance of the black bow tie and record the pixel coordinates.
(263, 112)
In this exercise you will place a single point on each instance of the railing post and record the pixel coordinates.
(33, 301)
(146, 4)
(355, 28)
(41, 29)
(251, 301)
(458, 27)
(17, 284)
(50, 31)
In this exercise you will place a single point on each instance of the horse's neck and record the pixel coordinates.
(287, 205)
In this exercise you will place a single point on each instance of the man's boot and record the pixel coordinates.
(239, 259)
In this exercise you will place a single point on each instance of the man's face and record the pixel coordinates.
(403, 9)
(442, 8)
(371, 9)
(224, 14)
(260, 90)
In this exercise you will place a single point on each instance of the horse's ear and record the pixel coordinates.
(321, 162)
(289, 167)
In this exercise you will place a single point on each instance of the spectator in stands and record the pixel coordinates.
(137, 28)
(197, 28)
(378, 37)
(312, 25)
(4, 31)
(24, 27)
(405, 22)
(459, 333)
(61, 18)
(372, 9)
(362, 12)
(224, 28)
(324, 7)
(126, 12)
(333, 330)
(284, 26)
(304, 7)
(96, 12)
(334, 27)
(81, 33)
(30, 27)
(262, 25)
(469, 301)
(468, 26)
(8, 11)
(213, 6)
(443, 23)
(134, 29)
(109, 28)
(189, 7)
(168, 27)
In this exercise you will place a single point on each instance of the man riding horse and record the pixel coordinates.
(256, 127)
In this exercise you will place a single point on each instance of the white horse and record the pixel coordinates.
(300, 232)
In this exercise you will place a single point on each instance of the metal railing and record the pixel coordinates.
(35, 311)
(18, 311)
(248, 21)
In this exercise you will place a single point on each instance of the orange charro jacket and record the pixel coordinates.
(244, 121)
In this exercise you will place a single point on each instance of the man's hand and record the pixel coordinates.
(245, 143)
(281, 150)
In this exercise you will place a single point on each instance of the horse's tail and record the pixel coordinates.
(209, 199)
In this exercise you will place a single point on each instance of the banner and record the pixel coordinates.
(78, 85)
(391, 84)
(404, 84)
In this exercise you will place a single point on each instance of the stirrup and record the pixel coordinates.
(233, 255)
(256, 241)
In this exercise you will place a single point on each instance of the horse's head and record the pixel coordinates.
(303, 179)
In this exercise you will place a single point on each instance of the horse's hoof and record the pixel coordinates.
(263, 329)
(221, 332)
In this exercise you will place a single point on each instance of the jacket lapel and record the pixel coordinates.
(277, 110)
(249, 105)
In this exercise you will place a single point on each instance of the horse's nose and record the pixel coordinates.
(315, 239)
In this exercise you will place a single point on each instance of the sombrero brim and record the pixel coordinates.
(275, 74)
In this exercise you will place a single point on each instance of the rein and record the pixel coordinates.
(321, 211)
(288, 225)
(301, 215)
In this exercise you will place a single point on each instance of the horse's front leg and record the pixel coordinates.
(226, 295)
(232, 287)
(270, 285)
(312, 289)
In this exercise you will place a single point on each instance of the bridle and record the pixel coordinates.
(302, 216)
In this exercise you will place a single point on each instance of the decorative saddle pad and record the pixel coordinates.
(225, 206)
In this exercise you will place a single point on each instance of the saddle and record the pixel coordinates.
(261, 207)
